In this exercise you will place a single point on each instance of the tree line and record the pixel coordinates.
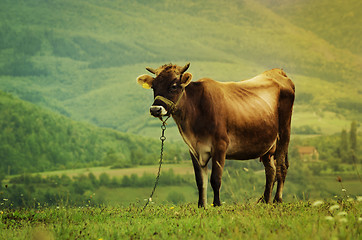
(28, 190)
(35, 140)
(337, 148)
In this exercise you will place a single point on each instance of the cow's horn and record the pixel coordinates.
(151, 70)
(184, 69)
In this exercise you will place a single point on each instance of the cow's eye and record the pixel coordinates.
(173, 87)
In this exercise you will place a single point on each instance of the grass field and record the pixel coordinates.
(138, 196)
(301, 220)
(180, 168)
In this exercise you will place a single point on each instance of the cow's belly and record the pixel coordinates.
(252, 128)
(246, 150)
(252, 140)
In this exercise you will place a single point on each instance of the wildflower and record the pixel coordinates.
(172, 207)
(245, 169)
(1, 212)
(212, 204)
(150, 199)
(360, 219)
(329, 218)
(344, 190)
(342, 214)
(343, 220)
(317, 203)
(333, 207)
(359, 198)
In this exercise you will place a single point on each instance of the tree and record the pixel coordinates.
(1, 179)
(344, 141)
(92, 178)
(353, 136)
(104, 179)
(343, 146)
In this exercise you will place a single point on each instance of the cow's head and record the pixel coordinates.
(168, 87)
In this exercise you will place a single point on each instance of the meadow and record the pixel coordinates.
(242, 182)
(300, 220)
(78, 149)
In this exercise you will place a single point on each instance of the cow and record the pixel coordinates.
(227, 120)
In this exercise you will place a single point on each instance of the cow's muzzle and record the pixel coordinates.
(158, 111)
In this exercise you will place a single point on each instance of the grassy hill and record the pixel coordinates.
(81, 58)
(337, 22)
(33, 139)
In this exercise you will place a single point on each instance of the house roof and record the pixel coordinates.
(303, 150)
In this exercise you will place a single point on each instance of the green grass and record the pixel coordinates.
(299, 220)
(180, 168)
(328, 122)
(242, 187)
(138, 196)
(308, 15)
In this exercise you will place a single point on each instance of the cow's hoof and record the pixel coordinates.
(262, 200)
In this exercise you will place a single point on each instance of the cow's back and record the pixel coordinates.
(245, 110)
(241, 112)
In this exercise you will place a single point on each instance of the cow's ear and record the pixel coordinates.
(186, 79)
(145, 81)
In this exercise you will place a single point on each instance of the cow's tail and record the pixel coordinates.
(286, 161)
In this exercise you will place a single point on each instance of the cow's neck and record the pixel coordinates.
(185, 105)
(184, 115)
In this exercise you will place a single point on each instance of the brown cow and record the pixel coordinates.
(232, 120)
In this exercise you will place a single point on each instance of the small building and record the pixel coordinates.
(308, 153)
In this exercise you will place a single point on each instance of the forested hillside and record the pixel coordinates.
(81, 58)
(33, 139)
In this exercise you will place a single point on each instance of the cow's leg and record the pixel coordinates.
(281, 175)
(281, 153)
(270, 173)
(201, 180)
(218, 162)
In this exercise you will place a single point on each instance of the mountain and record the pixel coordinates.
(33, 139)
(81, 58)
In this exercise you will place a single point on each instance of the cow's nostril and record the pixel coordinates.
(155, 110)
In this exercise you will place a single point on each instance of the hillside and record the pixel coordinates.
(338, 23)
(34, 139)
(81, 58)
